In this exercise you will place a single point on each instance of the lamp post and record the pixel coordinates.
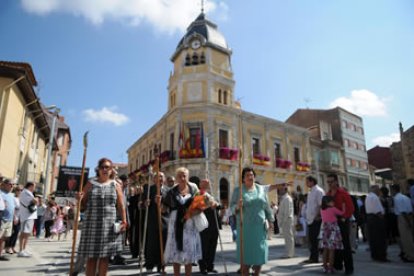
(49, 150)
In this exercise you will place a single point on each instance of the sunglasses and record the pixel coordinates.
(105, 167)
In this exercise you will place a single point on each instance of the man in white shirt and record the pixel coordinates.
(313, 217)
(377, 235)
(27, 217)
(404, 211)
(285, 220)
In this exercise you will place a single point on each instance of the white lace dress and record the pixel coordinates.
(191, 252)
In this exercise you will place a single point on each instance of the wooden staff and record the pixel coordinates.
(75, 227)
(144, 236)
(139, 223)
(157, 182)
(241, 193)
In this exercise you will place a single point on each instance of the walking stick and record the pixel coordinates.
(221, 244)
(157, 182)
(144, 237)
(241, 193)
(139, 225)
(75, 227)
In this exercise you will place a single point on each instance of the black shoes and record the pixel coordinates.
(309, 261)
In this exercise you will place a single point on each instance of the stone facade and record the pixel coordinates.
(206, 130)
(403, 158)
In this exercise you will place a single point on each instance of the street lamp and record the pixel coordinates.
(49, 150)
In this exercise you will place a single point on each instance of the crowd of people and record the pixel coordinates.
(23, 214)
(170, 220)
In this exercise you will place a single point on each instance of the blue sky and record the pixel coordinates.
(106, 63)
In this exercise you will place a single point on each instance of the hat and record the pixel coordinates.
(123, 177)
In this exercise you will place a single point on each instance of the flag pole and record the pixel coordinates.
(75, 227)
(241, 193)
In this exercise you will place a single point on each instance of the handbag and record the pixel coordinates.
(200, 222)
(117, 227)
(32, 207)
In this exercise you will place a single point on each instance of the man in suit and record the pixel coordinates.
(209, 236)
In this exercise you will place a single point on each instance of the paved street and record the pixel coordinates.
(53, 258)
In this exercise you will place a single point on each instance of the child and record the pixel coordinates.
(58, 228)
(331, 235)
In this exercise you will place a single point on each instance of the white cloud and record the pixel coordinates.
(105, 115)
(386, 141)
(363, 103)
(165, 15)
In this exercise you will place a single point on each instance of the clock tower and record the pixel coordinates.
(202, 68)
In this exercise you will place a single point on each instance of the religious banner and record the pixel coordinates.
(69, 181)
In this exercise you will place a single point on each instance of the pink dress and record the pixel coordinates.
(330, 232)
(58, 226)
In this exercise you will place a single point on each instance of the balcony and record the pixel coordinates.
(261, 160)
(228, 154)
(167, 156)
(303, 167)
(191, 153)
(283, 163)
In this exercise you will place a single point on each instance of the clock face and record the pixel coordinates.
(195, 44)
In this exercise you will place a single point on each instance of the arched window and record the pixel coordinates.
(219, 96)
(187, 60)
(195, 59)
(202, 58)
(225, 97)
(224, 192)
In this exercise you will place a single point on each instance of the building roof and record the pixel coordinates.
(207, 31)
(23, 67)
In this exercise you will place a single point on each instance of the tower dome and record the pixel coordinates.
(207, 32)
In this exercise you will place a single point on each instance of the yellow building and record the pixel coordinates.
(24, 130)
(205, 129)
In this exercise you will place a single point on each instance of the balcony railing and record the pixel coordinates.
(283, 163)
(228, 154)
(191, 153)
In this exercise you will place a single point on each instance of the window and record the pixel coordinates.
(61, 137)
(143, 159)
(172, 141)
(346, 142)
(296, 154)
(334, 158)
(219, 96)
(195, 137)
(225, 97)
(25, 125)
(348, 162)
(223, 138)
(277, 150)
(256, 145)
(344, 124)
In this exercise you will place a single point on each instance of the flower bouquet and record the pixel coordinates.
(199, 203)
